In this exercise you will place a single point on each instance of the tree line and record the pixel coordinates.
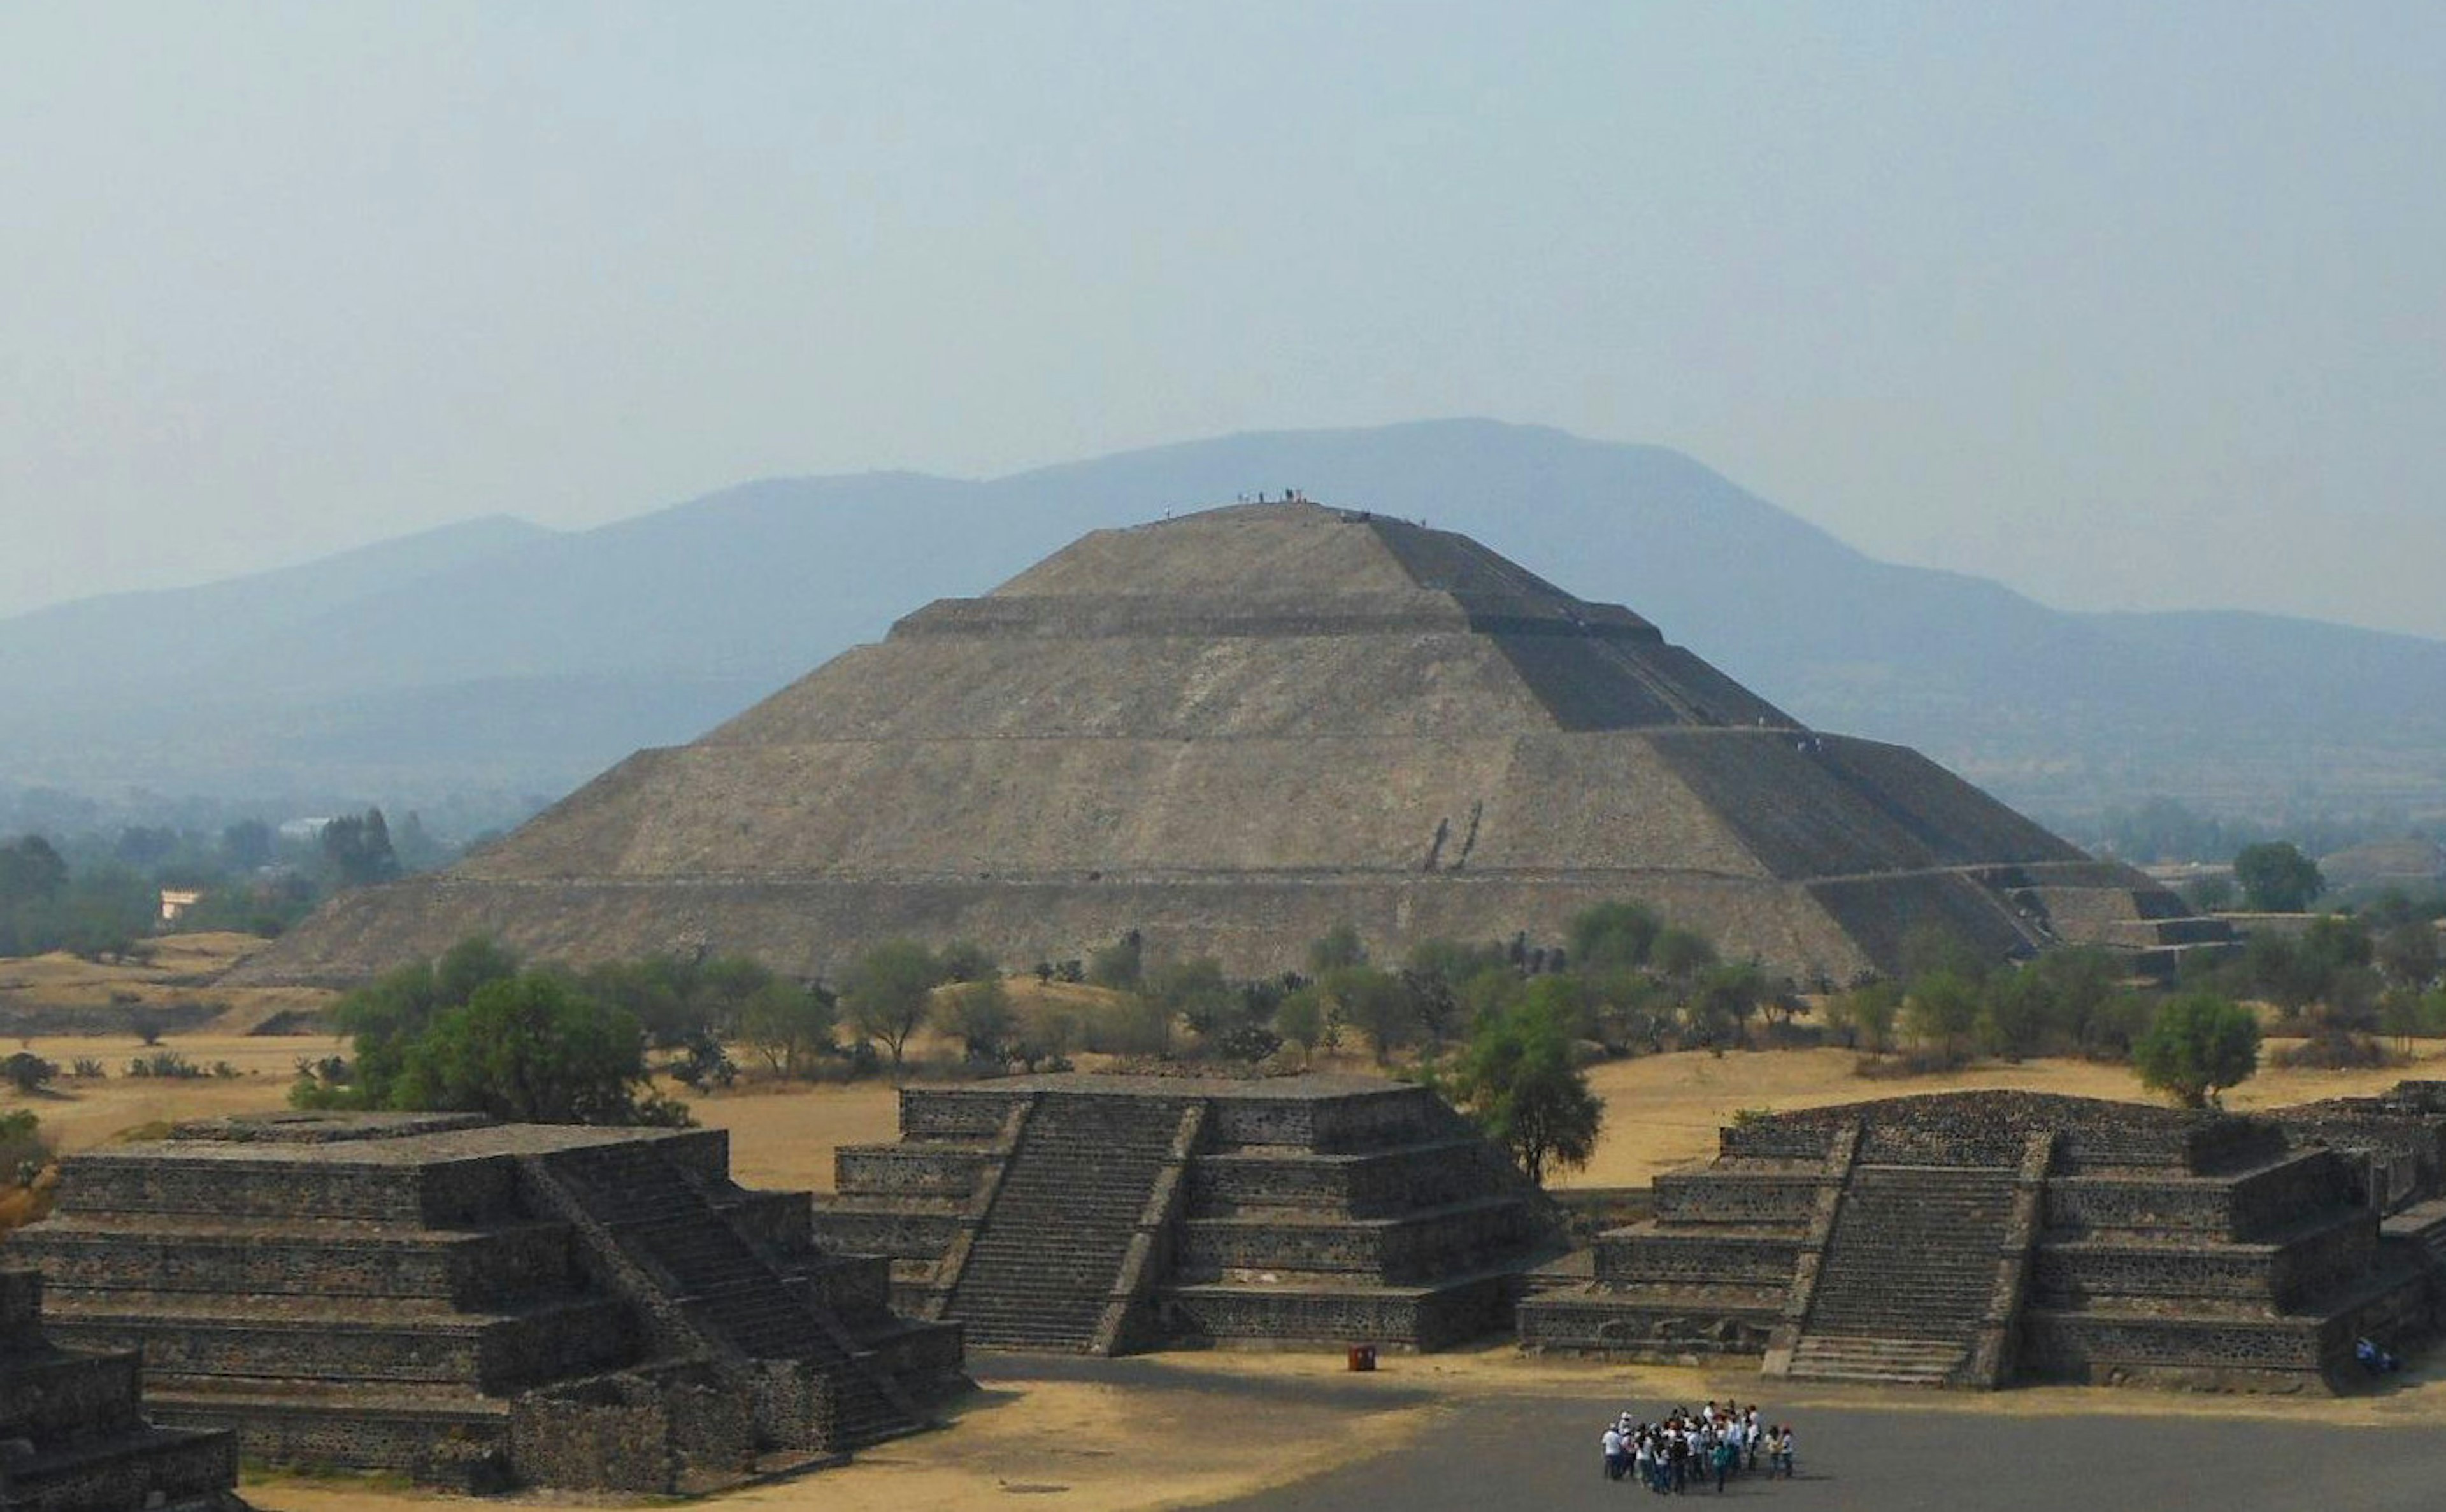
(97, 895)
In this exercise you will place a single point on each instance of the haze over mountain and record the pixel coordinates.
(498, 657)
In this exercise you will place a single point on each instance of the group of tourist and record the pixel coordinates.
(1686, 1448)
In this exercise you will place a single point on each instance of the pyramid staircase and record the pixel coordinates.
(1908, 1276)
(1055, 1250)
(664, 1219)
(478, 1304)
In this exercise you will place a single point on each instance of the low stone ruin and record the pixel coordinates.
(482, 1304)
(73, 1436)
(1102, 1214)
(1968, 1239)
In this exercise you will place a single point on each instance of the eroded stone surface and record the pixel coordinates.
(1231, 732)
(481, 1304)
(1966, 1238)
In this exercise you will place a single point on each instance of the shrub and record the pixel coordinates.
(2336, 1050)
(1119, 966)
(28, 1072)
(981, 1015)
(1130, 1025)
(23, 1144)
(2199, 1045)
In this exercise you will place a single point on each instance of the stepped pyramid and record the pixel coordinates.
(478, 1304)
(1231, 731)
(1972, 1239)
(1109, 1213)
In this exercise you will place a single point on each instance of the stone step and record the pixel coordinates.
(1050, 1250)
(1889, 1361)
(351, 1339)
(130, 1468)
(467, 1268)
(48, 1393)
(434, 1435)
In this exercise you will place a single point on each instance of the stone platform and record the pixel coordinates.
(482, 1304)
(1968, 1238)
(1112, 1213)
(73, 1437)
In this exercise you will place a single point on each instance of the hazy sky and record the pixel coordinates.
(2125, 304)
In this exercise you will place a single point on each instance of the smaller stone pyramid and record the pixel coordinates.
(73, 1437)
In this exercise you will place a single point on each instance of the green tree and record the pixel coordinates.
(2076, 983)
(1612, 937)
(1119, 966)
(1565, 999)
(2408, 952)
(534, 1049)
(1196, 993)
(2275, 877)
(383, 1019)
(1438, 972)
(1865, 1016)
(1300, 1017)
(790, 1027)
(2402, 1014)
(967, 960)
(1336, 949)
(1942, 1009)
(1450, 962)
(1375, 1003)
(1517, 1080)
(1631, 1011)
(1724, 998)
(981, 1015)
(2199, 1045)
(472, 963)
(357, 845)
(1681, 955)
(30, 871)
(2016, 1012)
(889, 993)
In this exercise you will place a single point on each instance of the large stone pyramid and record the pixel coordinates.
(1231, 731)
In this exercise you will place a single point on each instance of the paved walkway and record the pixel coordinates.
(1520, 1453)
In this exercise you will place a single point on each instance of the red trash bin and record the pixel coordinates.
(1362, 1356)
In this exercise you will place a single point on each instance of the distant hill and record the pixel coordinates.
(500, 656)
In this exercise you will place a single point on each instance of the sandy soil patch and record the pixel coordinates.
(81, 1113)
(784, 1137)
(174, 971)
(1183, 1439)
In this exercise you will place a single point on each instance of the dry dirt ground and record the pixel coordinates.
(174, 971)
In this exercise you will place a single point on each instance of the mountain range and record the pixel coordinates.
(498, 657)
